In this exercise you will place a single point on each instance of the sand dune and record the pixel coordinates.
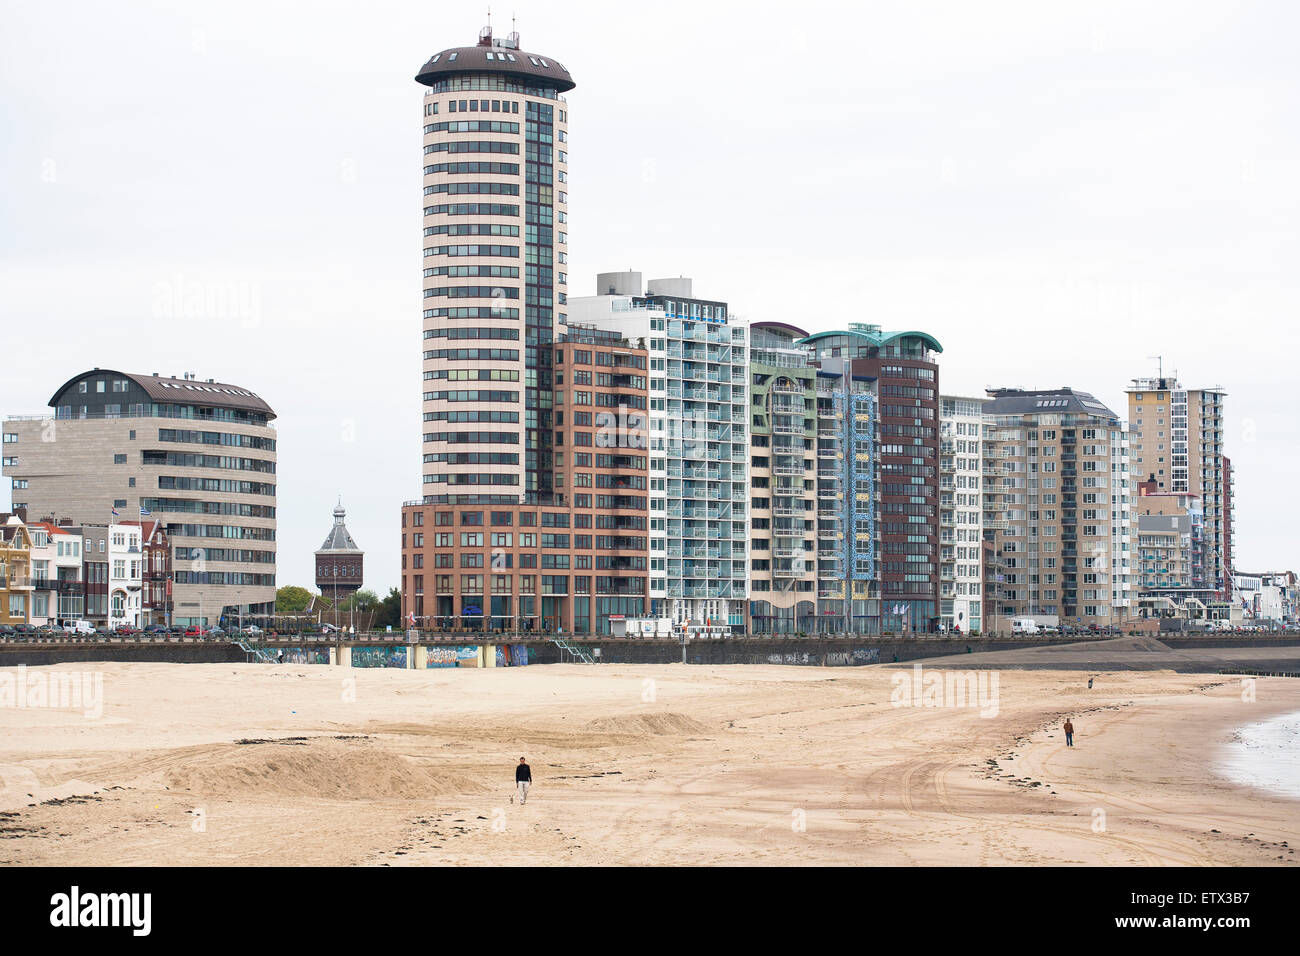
(743, 765)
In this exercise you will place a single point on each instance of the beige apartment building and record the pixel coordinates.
(1176, 440)
(197, 456)
(1056, 509)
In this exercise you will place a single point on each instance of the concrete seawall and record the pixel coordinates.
(1175, 653)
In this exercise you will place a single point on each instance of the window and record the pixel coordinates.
(119, 459)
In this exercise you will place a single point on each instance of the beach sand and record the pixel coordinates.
(633, 764)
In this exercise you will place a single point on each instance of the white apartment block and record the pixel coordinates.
(698, 442)
(125, 567)
(961, 513)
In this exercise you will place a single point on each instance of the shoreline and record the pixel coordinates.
(1263, 755)
(1156, 772)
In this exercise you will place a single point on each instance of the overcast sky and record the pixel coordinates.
(1057, 195)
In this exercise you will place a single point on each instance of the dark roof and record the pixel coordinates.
(781, 327)
(164, 388)
(339, 539)
(531, 68)
(1050, 401)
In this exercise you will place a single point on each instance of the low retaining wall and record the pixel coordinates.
(11, 655)
(827, 652)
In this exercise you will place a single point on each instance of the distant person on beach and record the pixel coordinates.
(1069, 733)
(1089, 683)
(523, 780)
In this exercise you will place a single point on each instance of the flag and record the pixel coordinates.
(115, 512)
(145, 512)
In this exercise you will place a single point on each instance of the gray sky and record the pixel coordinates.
(234, 189)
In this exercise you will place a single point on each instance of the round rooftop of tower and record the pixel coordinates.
(497, 56)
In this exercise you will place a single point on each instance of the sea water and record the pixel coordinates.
(1266, 755)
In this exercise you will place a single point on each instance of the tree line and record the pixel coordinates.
(292, 599)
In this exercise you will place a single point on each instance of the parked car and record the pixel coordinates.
(252, 629)
(7, 630)
(79, 627)
(194, 631)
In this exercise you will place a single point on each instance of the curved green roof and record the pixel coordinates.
(878, 339)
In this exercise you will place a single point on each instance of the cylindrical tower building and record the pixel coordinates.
(495, 224)
(535, 481)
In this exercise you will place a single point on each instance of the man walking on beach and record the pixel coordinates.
(1069, 732)
(523, 780)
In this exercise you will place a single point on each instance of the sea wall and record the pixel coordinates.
(816, 652)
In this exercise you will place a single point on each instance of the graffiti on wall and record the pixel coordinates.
(303, 655)
(379, 657)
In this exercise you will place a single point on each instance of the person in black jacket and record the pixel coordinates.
(523, 779)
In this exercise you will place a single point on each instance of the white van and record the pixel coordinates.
(78, 627)
(1024, 625)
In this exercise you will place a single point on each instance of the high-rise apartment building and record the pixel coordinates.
(698, 443)
(1177, 440)
(904, 366)
(848, 584)
(785, 563)
(961, 513)
(813, 489)
(1229, 521)
(199, 457)
(495, 224)
(495, 232)
(1056, 509)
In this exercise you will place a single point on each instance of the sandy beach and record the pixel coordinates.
(250, 764)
